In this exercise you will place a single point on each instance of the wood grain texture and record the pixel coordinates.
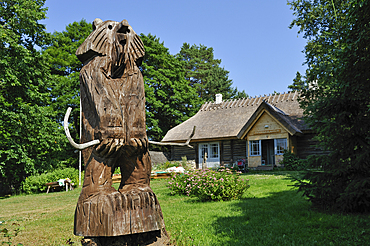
(113, 111)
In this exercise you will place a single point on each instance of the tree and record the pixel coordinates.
(205, 74)
(298, 83)
(337, 105)
(170, 99)
(65, 67)
(29, 141)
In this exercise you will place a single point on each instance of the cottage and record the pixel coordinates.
(257, 129)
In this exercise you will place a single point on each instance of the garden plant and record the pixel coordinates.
(206, 185)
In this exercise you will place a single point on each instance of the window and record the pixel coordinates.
(281, 145)
(204, 149)
(254, 147)
(214, 150)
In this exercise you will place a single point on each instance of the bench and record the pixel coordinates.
(160, 175)
(56, 184)
(116, 178)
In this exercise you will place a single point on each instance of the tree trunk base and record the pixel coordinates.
(153, 238)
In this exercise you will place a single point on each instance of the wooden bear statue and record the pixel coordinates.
(113, 112)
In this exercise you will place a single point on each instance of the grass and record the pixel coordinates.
(270, 213)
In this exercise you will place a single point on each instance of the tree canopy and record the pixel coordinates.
(39, 80)
(204, 73)
(337, 103)
(29, 143)
(170, 99)
(65, 84)
(298, 83)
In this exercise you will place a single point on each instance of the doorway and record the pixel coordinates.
(268, 152)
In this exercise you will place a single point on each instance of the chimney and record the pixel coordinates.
(218, 98)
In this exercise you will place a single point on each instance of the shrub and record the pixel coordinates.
(292, 162)
(209, 185)
(167, 164)
(36, 183)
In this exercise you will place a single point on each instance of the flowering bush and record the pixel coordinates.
(209, 185)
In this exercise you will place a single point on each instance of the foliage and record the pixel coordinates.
(292, 162)
(206, 185)
(117, 170)
(338, 101)
(36, 183)
(204, 73)
(164, 166)
(170, 100)
(29, 138)
(298, 83)
(65, 90)
(10, 235)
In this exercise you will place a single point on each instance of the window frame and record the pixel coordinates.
(252, 144)
(210, 150)
(207, 147)
(278, 141)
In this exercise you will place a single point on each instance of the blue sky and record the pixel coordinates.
(251, 37)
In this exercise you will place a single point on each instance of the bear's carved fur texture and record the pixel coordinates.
(113, 111)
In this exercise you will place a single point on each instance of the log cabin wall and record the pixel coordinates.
(177, 152)
(239, 150)
(230, 151)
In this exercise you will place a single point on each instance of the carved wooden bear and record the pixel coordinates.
(113, 111)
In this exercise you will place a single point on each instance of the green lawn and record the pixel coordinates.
(270, 213)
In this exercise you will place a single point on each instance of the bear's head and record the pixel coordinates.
(117, 42)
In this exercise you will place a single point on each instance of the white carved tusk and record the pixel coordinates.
(66, 129)
(187, 143)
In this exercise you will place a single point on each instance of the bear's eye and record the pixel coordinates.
(110, 27)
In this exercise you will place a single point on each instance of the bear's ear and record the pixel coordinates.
(95, 43)
(138, 50)
(96, 23)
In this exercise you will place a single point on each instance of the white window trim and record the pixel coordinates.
(275, 143)
(209, 150)
(259, 148)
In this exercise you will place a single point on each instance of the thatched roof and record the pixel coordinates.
(229, 119)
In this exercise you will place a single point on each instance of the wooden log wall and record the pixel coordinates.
(230, 151)
(233, 150)
(179, 151)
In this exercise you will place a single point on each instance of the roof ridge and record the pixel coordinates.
(273, 98)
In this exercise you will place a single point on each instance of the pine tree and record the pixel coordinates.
(170, 99)
(337, 103)
(203, 72)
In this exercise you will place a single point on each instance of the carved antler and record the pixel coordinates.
(77, 146)
(177, 144)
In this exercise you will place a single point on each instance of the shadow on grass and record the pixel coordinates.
(286, 218)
